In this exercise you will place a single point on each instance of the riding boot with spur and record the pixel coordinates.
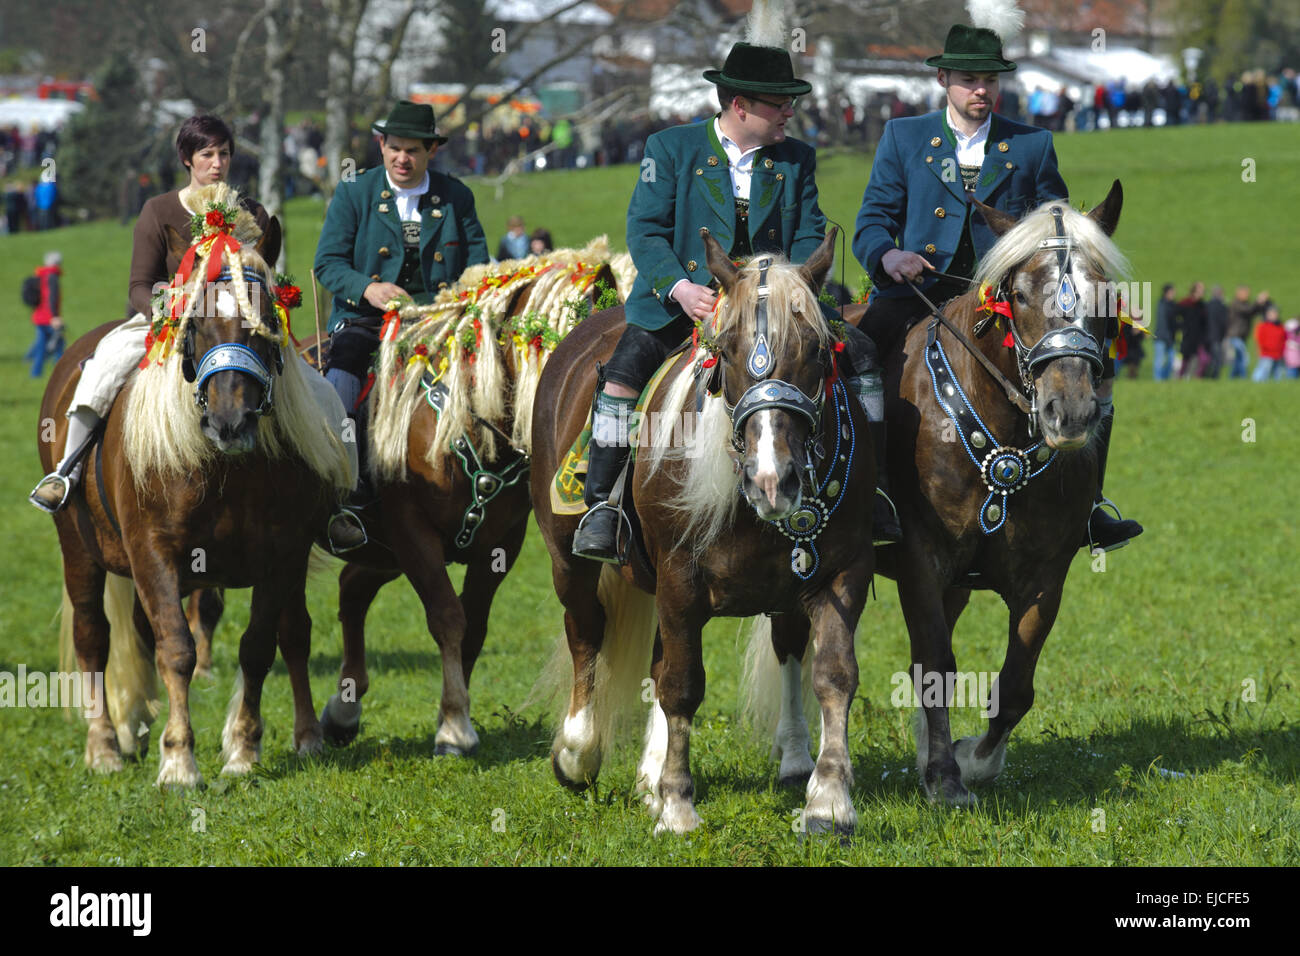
(345, 531)
(53, 491)
(597, 534)
(866, 382)
(1106, 532)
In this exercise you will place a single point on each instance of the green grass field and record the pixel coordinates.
(1165, 728)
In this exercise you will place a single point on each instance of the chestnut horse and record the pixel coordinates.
(797, 439)
(450, 458)
(994, 478)
(220, 483)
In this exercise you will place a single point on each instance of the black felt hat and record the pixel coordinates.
(411, 120)
(973, 49)
(759, 69)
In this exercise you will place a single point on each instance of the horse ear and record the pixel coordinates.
(719, 262)
(268, 247)
(177, 245)
(819, 263)
(1107, 214)
(999, 221)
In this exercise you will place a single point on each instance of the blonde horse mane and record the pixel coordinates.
(456, 340)
(161, 427)
(1020, 244)
(708, 486)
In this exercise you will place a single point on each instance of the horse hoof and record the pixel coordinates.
(795, 781)
(824, 827)
(445, 749)
(109, 762)
(238, 766)
(952, 792)
(311, 744)
(975, 770)
(340, 729)
(678, 817)
(179, 771)
(558, 760)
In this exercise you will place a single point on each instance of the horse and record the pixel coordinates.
(784, 423)
(450, 437)
(218, 482)
(993, 480)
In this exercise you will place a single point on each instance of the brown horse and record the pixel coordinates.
(990, 494)
(796, 439)
(450, 455)
(220, 483)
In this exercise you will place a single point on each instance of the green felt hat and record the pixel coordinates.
(759, 69)
(973, 49)
(410, 120)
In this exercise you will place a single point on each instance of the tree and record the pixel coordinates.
(103, 142)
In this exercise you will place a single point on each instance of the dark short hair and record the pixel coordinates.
(1167, 289)
(200, 132)
(725, 96)
(428, 143)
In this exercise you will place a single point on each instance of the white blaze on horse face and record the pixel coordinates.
(766, 476)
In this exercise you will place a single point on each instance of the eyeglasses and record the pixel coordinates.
(782, 106)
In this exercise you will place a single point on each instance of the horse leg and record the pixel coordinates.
(84, 581)
(931, 640)
(981, 758)
(575, 753)
(160, 597)
(241, 738)
(135, 740)
(680, 690)
(203, 611)
(426, 569)
(829, 805)
(477, 592)
(341, 717)
(793, 741)
(651, 768)
(295, 647)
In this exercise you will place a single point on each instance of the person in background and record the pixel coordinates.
(47, 314)
(539, 243)
(1271, 339)
(514, 244)
(1167, 325)
(1216, 327)
(1291, 350)
(1191, 311)
(1241, 315)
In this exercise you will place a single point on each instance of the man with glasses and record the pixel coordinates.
(755, 190)
(917, 223)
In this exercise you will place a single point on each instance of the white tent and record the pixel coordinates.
(30, 114)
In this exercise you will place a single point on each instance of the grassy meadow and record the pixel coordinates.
(1166, 729)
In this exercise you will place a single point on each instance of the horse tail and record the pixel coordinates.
(762, 685)
(229, 744)
(130, 680)
(623, 664)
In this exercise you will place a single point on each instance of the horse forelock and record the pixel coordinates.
(791, 305)
(1020, 245)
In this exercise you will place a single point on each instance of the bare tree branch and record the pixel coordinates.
(394, 50)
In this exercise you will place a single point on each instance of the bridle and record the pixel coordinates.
(768, 394)
(230, 356)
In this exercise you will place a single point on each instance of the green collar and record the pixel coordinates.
(711, 122)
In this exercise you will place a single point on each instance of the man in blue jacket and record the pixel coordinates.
(916, 215)
(400, 230)
(756, 191)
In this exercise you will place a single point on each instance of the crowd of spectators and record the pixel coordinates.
(1196, 337)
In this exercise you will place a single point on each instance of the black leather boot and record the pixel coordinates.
(864, 380)
(346, 531)
(598, 532)
(884, 516)
(1104, 531)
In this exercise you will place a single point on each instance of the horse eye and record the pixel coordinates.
(1020, 297)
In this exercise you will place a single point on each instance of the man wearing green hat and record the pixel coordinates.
(403, 230)
(916, 218)
(755, 190)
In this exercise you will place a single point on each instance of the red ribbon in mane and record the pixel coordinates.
(221, 241)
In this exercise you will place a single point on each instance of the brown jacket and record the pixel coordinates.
(150, 263)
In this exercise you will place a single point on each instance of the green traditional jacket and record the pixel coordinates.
(685, 184)
(361, 241)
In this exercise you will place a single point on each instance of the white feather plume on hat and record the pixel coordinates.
(1003, 17)
(766, 24)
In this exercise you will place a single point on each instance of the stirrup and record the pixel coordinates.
(607, 554)
(1093, 546)
(63, 500)
(877, 539)
(351, 517)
